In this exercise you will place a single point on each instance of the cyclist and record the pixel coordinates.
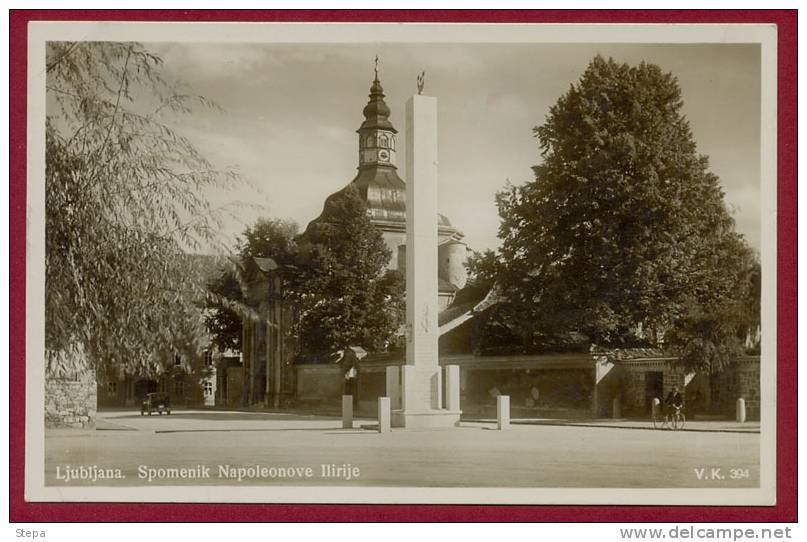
(673, 402)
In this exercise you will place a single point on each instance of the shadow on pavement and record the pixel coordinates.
(279, 429)
(531, 421)
(639, 426)
(223, 416)
(106, 425)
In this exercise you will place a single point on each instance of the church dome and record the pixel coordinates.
(378, 182)
(376, 112)
(383, 191)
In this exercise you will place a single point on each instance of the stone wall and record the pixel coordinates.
(703, 394)
(320, 385)
(637, 384)
(741, 379)
(533, 392)
(748, 388)
(371, 385)
(70, 402)
(633, 392)
(674, 379)
(233, 388)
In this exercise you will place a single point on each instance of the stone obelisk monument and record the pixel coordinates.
(416, 388)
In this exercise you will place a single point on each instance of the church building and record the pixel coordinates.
(269, 373)
(384, 192)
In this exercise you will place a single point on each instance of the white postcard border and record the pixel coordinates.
(40, 32)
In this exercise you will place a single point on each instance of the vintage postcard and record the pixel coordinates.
(401, 263)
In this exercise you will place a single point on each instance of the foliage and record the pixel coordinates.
(624, 234)
(267, 238)
(222, 318)
(125, 201)
(270, 238)
(711, 336)
(335, 282)
(345, 294)
(482, 267)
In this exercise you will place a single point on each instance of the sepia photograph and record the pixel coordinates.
(377, 263)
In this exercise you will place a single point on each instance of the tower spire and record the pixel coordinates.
(376, 134)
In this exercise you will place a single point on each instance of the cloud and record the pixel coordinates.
(291, 111)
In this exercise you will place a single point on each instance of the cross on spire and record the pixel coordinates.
(376, 67)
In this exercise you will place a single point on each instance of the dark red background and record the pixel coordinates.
(786, 416)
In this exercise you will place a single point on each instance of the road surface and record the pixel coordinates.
(256, 448)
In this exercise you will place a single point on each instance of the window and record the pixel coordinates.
(177, 360)
(112, 388)
(208, 358)
(207, 386)
(179, 388)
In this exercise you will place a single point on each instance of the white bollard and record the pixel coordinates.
(740, 410)
(347, 412)
(502, 412)
(383, 415)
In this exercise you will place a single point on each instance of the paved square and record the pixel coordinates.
(473, 455)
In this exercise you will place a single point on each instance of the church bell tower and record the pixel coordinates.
(376, 134)
(384, 193)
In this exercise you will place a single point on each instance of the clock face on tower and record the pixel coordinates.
(383, 155)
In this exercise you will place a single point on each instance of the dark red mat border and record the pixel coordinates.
(786, 507)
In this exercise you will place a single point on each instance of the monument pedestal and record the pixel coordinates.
(422, 398)
(427, 419)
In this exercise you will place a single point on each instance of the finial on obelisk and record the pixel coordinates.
(421, 82)
(375, 69)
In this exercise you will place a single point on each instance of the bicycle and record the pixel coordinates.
(675, 421)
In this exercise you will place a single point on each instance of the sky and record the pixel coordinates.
(290, 112)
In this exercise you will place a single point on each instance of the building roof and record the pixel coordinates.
(445, 286)
(464, 302)
(382, 189)
(376, 112)
(266, 264)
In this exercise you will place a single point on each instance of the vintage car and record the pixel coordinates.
(156, 402)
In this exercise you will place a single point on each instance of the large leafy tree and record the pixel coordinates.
(624, 235)
(335, 282)
(270, 238)
(344, 292)
(125, 203)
